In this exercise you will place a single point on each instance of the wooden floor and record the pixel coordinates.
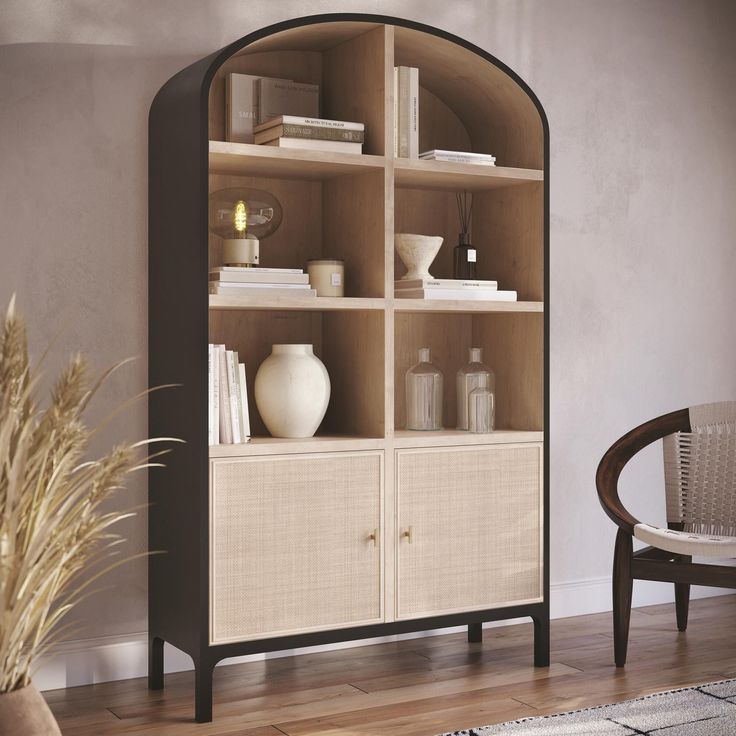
(422, 686)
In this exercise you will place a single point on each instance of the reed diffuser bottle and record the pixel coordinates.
(464, 262)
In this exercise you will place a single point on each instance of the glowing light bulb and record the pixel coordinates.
(240, 218)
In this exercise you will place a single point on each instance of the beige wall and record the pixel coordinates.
(641, 110)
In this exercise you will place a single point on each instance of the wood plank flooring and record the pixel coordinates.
(421, 687)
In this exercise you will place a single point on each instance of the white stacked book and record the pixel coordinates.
(406, 112)
(459, 157)
(317, 134)
(455, 289)
(257, 281)
(229, 422)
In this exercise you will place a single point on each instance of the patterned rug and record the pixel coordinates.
(704, 710)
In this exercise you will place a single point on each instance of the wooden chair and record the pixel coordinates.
(700, 485)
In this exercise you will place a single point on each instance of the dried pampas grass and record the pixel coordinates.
(52, 525)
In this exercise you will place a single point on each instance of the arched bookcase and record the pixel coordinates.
(279, 544)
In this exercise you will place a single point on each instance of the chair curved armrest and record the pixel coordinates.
(621, 451)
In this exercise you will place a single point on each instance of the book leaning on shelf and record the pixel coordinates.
(229, 422)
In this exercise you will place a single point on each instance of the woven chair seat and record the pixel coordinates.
(686, 543)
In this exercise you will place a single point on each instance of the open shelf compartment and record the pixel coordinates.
(513, 347)
(350, 344)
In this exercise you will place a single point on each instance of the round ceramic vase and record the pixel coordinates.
(292, 391)
(417, 253)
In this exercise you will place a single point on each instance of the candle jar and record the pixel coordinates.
(424, 394)
(327, 276)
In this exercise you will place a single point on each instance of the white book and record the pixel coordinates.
(313, 122)
(210, 394)
(241, 101)
(276, 97)
(254, 269)
(238, 290)
(313, 144)
(444, 284)
(226, 428)
(250, 285)
(460, 160)
(258, 277)
(244, 402)
(396, 111)
(413, 112)
(215, 395)
(403, 116)
(465, 154)
(234, 388)
(491, 295)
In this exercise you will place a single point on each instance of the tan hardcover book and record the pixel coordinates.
(241, 103)
(278, 97)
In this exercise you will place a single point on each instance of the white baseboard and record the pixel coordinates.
(89, 661)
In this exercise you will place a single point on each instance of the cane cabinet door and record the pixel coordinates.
(469, 528)
(295, 544)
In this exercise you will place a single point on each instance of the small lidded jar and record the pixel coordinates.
(327, 276)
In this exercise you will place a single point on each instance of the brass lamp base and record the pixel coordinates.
(242, 252)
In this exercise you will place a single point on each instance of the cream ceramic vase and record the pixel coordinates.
(292, 391)
(417, 253)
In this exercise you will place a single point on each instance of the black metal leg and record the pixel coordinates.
(475, 632)
(541, 640)
(203, 670)
(155, 663)
(623, 583)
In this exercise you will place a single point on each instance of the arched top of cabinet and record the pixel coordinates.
(352, 56)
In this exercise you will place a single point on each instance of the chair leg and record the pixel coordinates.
(622, 588)
(682, 600)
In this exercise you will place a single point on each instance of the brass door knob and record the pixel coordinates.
(409, 534)
(374, 537)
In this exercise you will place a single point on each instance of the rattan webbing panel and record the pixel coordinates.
(475, 517)
(290, 546)
(700, 471)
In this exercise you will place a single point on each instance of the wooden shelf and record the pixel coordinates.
(453, 437)
(441, 306)
(289, 304)
(246, 159)
(416, 174)
(286, 446)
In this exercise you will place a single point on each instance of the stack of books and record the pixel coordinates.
(257, 281)
(406, 112)
(452, 289)
(459, 157)
(227, 398)
(317, 134)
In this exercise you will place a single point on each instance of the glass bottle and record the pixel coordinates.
(473, 375)
(464, 264)
(481, 410)
(424, 394)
